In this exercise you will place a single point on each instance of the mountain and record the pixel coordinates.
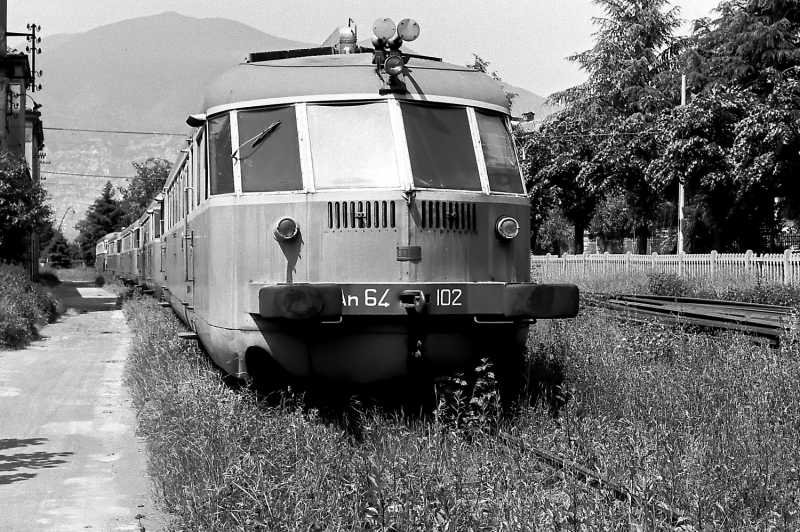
(145, 74)
(525, 101)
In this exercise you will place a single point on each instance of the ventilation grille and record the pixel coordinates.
(361, 215)
(448, 215)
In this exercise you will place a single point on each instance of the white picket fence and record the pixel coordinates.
(775, 267)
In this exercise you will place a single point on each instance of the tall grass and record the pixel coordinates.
(79, 274)
(706, 424)
(24, 306)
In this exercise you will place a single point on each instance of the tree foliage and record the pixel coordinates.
(103, 217)
(149, 180)
(62, 252)
(735, 145)
(109, 214)
(22, 207)
(603, 142)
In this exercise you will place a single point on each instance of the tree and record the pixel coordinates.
(746, 45)
(483, 66)
(736, 145)
(603, 141)
(22, 208)
(62, 252)
(103, 217)
(738, 157)
(150, 178)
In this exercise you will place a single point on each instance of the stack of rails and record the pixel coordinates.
(766, 321)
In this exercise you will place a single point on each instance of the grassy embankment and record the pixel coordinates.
(707, 424)
(25, 306)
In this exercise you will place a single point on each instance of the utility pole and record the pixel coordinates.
(680, 185)
(3, 80)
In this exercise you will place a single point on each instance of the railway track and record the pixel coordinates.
(768, 322)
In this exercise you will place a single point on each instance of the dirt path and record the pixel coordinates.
(69, 459)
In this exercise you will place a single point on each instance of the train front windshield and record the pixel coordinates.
(355, 145)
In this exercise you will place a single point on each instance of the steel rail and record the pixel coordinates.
(768, 321)
(595, 480)
(707, 312)
(714, 302)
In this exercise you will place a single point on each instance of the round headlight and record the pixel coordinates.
(507, 227)
(394, 65)
(286, 228)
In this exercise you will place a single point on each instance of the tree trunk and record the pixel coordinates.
(641, 240)
(578, 238)
(534, 238)
(717, 240)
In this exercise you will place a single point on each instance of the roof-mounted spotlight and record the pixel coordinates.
(387, 42)
(408, 30)
(384, 28)
(394, 65)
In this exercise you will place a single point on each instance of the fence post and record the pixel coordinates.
(713, 264)
(653, 263)
(546, 265)
(681, 270)
(605, 263)
(628, 262)
(748, 264)
(787, 272)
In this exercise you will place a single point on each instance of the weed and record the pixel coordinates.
(704, 424)
(24, 306)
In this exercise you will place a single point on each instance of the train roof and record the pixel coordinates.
(347, 76)
(110, 236)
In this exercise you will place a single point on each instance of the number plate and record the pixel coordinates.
(439, 298)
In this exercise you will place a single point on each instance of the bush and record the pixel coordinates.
(23, 306)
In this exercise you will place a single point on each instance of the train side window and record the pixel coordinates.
(269, 155)
(499, 154)
(440, 147)
(199, 179)
(186, 191)
(338, 161)
(220, 167)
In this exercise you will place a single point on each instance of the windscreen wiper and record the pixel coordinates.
(259, 139)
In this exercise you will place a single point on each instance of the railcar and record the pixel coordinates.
(101, 252)
(349, 214)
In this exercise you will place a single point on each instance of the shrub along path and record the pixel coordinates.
(69, 459)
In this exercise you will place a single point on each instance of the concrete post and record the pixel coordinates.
(787, 266)
(713, 264)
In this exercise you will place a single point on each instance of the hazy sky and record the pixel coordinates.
(526, 41)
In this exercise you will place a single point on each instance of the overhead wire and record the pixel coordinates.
(97, 175)
(124, 132)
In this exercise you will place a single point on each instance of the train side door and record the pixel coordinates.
(197, 171)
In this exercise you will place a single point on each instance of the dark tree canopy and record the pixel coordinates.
(150, 178)
(22, 208)
(602, 142)
(622, 134)
(61, 251)
(103, 217)
(736, 145)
